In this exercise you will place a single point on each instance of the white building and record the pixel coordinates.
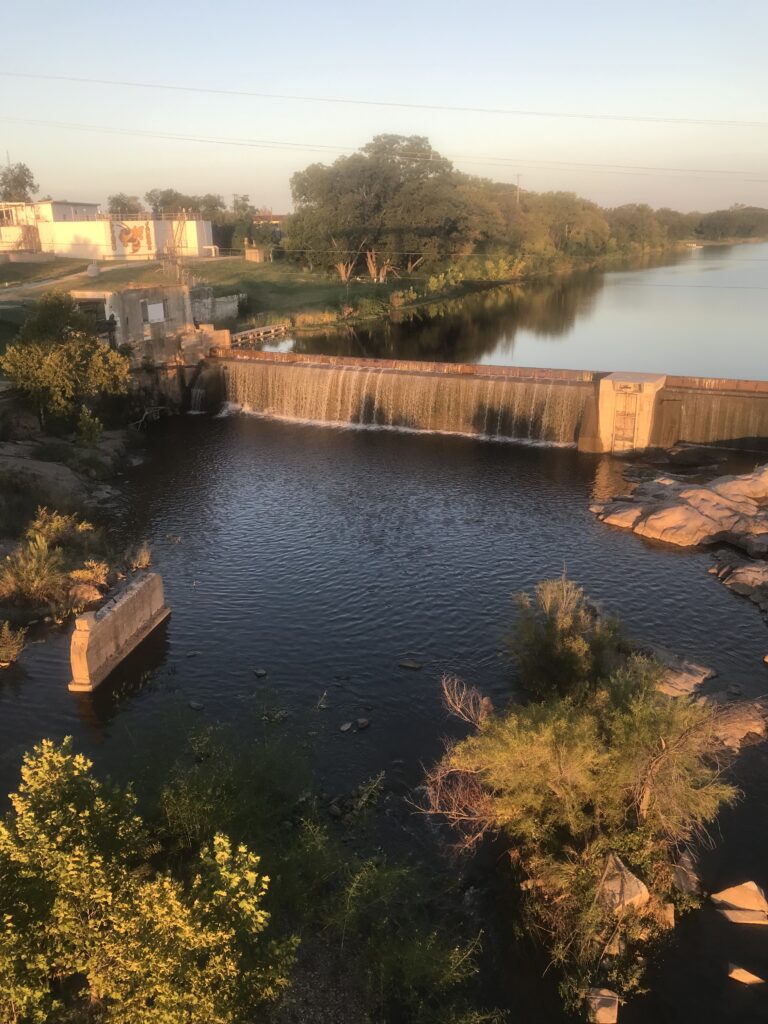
(80, 230)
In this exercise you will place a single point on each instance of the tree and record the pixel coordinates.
(89, 927)
(57, 363)
(614, 778)
(55, 318)
(17, 184)
(124, 205)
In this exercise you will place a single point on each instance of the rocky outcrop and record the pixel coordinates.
(731, 510)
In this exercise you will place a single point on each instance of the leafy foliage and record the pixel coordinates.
(88, 922)
(17, 184)
(560, 642)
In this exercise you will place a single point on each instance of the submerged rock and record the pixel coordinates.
(602, 1006)
(411, 663)
(744, 976)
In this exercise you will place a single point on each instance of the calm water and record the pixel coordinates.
(325, 556)
(703, 312)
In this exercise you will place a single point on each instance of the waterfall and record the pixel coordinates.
(481, 405)
(197, 400)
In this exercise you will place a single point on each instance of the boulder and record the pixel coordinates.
(742, 904)
(619, 889)
(602, 1006)
(681, 677)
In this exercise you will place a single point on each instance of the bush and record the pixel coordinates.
(11, 643)
(140, 557)
(560, 642)
(90, 925)
(89, 428)
(607, 767)
(34, 574)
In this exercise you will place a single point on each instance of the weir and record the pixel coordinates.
(599, 412)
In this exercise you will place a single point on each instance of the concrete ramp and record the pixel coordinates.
(103, 638)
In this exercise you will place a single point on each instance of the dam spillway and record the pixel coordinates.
(495, 402)
(598, 411)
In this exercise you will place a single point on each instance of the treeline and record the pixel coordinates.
(398, 203)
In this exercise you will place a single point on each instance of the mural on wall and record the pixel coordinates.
(132, 238)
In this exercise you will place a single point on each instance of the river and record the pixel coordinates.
(700, 312)
(326, 556)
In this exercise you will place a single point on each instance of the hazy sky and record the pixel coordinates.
(676, 59)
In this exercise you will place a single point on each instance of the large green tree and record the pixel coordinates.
(17, 184)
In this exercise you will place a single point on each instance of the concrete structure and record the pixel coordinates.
(103, 638)
(80, 230)
(209, 307)
(599, 412)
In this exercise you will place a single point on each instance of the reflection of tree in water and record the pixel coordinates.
(465, 330)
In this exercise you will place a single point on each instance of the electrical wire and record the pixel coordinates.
(353, 101)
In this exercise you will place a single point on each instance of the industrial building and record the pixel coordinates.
(81, 230)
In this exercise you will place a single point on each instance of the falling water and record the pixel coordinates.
(480, 405)
(197, 400)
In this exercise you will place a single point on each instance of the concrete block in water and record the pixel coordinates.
(103, 638)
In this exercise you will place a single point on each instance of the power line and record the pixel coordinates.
(510, 112)
(628, 169)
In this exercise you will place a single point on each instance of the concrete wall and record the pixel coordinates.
(207, 307)
(104, 239)
(102, 639)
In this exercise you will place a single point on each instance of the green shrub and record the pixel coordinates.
(89, 428)
(11, 643)
(34, 574)
(560, 642)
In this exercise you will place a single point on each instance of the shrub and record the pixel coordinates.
(93, 574)
(11, 643)
(54, 528)
(34, 574)
(607, 767)
(560, 642)
(140, 557)
(90, 925)
(89, 428)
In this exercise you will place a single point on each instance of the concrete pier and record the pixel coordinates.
(103, 638)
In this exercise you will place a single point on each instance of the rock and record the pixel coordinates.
(742, 904)
(362, 723)
(686, 877)
(335, 811)
(602, 1006)
(733, 510)
(681, 677)
(259, 672)
(740, 720)
(411, 664)
(744, 976)
(192, 654)
(668, 914)
(196, 705)
(345, 727)
(619, 888)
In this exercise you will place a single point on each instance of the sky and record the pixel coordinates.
(677, 60)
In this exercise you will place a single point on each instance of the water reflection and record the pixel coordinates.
(466, 330)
